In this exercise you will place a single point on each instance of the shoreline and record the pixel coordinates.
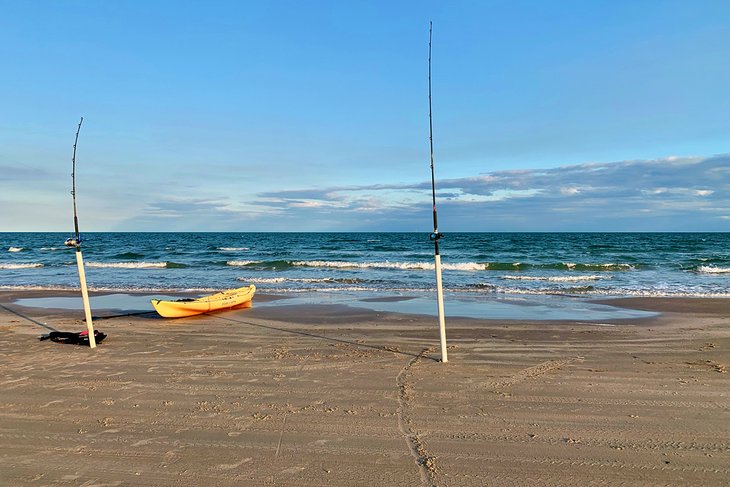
(481, 307)
(335, 395)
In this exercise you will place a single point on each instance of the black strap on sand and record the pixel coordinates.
(73, 338)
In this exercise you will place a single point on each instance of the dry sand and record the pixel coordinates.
(327, 395)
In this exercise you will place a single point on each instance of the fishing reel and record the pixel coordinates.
(435, 236)
(72, 242)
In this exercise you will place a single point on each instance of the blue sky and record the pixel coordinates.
(313, 116)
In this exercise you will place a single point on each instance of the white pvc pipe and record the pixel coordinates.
(85, 297)
(440, 298)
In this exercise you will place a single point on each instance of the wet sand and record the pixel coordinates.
(332, 395)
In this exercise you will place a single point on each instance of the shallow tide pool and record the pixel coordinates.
(479, 307)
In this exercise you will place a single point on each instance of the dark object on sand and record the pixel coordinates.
(73, 338)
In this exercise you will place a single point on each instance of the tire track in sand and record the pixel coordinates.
(538, 370)
(426, 463)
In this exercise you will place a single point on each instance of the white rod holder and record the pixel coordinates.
(85, 297)
(440, 298)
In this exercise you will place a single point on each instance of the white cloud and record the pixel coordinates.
(656, 194)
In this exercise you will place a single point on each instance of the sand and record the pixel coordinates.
(331, 395)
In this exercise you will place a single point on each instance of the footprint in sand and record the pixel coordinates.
(231, 466)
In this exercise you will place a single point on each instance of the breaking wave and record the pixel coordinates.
(554, 278)
(136, 265)
(29, 265)
(465, 266)
(279, 280)
(707, 269)
(242, 263)
(559, 266)
(15, 249)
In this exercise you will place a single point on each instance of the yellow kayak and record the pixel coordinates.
(233, 298)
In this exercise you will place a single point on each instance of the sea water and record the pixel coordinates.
(474, 264)
(547, 276)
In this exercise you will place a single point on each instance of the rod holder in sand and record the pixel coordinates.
(85, 298)
(440, 298)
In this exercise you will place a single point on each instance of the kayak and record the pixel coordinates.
(233, 298)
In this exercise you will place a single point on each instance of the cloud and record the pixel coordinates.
(17, 173)
(189, 214)
(184, 208)
(676, 193)
(673, 194)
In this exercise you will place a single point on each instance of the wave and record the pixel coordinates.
(560, 266)
(276, 265)
(111, 289)
(554, 278)
(129, 255)
(242, 263)
(333, 290)
(279, 280)
(15, 249)
(707, 269)
(53, 248)
(337, 264)
(589, 291)
(427, 266)
(36, 287)
(585, 292)
(29, 265)
(233, 249)
(136, 265)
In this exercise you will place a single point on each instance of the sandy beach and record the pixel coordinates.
(333, 395)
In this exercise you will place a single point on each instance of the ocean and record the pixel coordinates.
(380, 264)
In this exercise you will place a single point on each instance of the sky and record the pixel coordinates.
(313, 115)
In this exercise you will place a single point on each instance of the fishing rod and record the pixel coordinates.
(435, 235)
(75, 241)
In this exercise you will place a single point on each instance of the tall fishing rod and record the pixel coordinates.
(435, 235)
(75, 242)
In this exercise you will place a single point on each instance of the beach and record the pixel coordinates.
(338, 395)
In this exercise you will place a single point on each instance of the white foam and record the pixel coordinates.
(116, 289)
(464, 266)
(128, 265)
(233, 249)
(29, 265)
(279, 280)
(264, 280)
(707, 269)
(241, 263)
(30, 287)
(15, 249)
(319, 289)
(617, 292)
(554, 278)
(608, 266)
